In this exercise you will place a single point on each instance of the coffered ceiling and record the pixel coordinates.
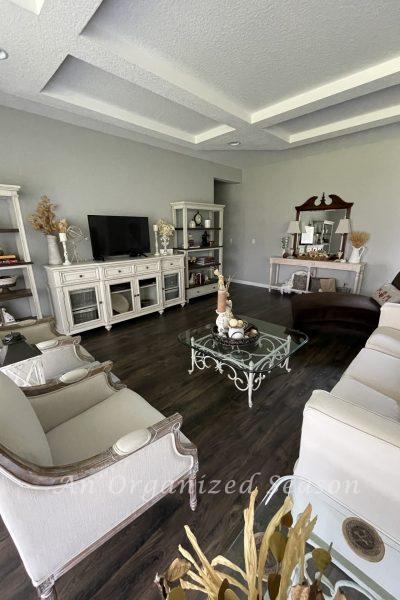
(195, 75)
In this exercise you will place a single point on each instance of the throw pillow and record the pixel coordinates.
(387, 293)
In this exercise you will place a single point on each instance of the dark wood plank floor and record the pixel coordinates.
(234, 442)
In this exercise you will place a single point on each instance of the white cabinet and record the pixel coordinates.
(84, 306)
(199, 233)
(148, 293)
(89, 295)
(173, 285)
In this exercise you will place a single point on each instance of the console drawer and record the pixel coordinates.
(111, 272)
(153, 267)
(171, 263)
(76, 276)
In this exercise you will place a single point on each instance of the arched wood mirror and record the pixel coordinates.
(319, 219)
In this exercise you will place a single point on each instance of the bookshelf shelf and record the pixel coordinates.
(182, 214)
(9, 199)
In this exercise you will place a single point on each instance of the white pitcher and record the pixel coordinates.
(356, 255)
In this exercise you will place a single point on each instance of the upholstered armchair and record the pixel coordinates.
(64, 354)
(78, 462)
(34, 330)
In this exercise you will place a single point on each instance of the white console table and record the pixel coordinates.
(93, 294)
(313, 265)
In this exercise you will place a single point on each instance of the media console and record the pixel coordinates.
(94, 294)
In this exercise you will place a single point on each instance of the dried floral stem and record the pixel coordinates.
(44, 219)
(359, 238)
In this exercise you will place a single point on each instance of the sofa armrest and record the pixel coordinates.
(390, 315)
(354, 416)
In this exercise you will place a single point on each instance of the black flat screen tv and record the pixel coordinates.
(117, 236)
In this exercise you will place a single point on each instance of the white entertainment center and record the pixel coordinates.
(93, 294)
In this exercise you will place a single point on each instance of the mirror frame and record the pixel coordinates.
(336, 203)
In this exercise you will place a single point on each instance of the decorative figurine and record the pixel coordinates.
(204, 239)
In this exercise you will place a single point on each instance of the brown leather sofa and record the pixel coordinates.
(333, 311)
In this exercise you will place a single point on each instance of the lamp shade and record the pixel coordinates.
(344, 226)
(294, 227)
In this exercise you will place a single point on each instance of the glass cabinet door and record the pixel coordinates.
(148, 292)
(120, 297)
(84, 304)
(171, 286)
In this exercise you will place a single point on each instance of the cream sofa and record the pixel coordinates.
(78, 462)
(350, 442)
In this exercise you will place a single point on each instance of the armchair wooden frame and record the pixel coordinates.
(48, 477)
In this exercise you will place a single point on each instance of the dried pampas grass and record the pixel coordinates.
(359, 238)
(44, 219)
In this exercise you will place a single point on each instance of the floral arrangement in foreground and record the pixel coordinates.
(283, 544)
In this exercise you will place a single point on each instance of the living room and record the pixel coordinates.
(199, 299)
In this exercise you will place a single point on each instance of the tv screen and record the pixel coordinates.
(113, 236)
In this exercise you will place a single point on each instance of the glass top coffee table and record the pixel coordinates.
(365, 559)
(248, 366)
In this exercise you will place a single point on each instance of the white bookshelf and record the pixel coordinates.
(13, 238)
(185, 236)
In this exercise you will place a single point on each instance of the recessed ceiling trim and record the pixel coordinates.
(34, 6)
(213, 133)
(144, 123)
(312, 100)
(344, 126)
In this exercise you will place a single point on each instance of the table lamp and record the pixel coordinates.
(293, 229)
(343, 229)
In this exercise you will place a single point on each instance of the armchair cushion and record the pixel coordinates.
(99, 427)
(20, 429)
(386, 340)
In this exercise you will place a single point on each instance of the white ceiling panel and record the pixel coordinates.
(376, 101)
(257, 52)
(196, 75)
(76, 78)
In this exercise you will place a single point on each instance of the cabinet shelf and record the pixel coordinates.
(148, 285)
(14, 294)
(20, 263)
(200, 248)
(202, 228)
(83, 308)
(208, 266)
(192, 287)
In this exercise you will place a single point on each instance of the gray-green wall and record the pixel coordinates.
(85, 172)
(363, 169)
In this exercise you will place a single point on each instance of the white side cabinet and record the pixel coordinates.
(94, 294)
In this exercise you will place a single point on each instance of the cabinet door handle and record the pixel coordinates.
(81, 275)
(119, 271)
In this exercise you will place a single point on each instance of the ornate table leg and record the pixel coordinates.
(190, 371)
(250, 380)
(285, 364)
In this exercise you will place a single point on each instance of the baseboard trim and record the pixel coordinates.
(253, 283)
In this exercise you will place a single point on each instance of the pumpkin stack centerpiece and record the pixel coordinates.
(229, 330)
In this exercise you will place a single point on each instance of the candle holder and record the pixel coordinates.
(63, 239)
(155, 229)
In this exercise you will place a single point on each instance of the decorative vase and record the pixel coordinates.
(356, 255)
(164, 243)
(53, 250)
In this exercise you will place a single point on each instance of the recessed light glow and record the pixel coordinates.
(3, 54)
(234, 143)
